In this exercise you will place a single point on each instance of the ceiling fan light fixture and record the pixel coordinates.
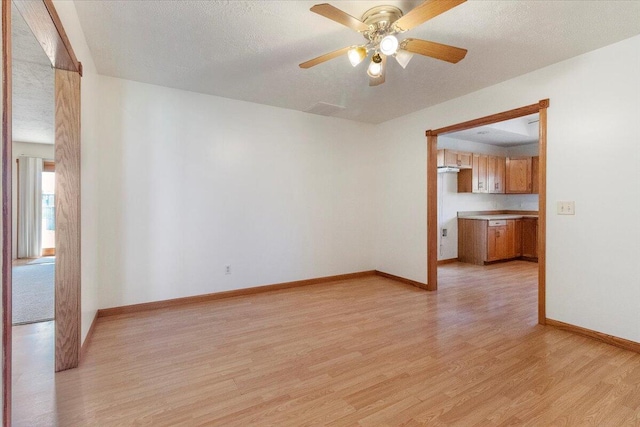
(389, 44)
(380, 27)
(356, 55)
(375, 67)
(403, 57)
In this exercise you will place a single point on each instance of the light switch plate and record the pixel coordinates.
(567, 208)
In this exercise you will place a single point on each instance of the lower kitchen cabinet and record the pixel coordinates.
(497, 242)
(482, 241)
(514, 232)
(530, 238)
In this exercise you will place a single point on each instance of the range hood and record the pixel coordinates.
(448, 169)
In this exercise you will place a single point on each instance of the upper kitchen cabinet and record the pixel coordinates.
(496, 174)
(518, 175)
(535, 175)
(480, 173)
(455, 159)
(487, 175)
(475, 180)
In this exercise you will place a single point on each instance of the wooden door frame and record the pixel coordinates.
(7, 157)
(432, 192)
(45, 24)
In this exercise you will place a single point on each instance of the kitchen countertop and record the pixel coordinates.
(497, 216)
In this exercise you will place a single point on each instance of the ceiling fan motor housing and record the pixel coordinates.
(380, 20)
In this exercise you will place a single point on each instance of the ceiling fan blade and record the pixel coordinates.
(375, 81)
(322, 58)
(435, 50)
(425, 11)
(335, 14)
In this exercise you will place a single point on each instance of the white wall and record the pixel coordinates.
(89, 163)
(450, 202)
(592, 258)
(279, 196)
(190, 183)
(176, 185)
(43, 151)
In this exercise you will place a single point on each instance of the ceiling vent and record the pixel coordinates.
(325, 109)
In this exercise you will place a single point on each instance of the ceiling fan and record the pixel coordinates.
(379, 26)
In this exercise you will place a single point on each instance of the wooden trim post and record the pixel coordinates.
(432, 211)
(67, 277)
(7, 140)
(542, 214)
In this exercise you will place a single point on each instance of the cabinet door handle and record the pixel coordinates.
(459, 162)
(497, 234)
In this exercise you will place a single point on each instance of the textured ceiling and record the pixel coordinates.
(509, 133)
(250, 50)
(33, 86)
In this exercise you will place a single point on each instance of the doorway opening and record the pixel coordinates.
(499, 241)
(487, 223)
(33, 269)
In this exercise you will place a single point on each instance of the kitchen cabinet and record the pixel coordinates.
(504, 239)
(453, 158)
(483, 241)
(535, 174)
(514, 232)
(487, 175)
(472, 241)
(530, 238)
(499, 175)
(496, 174)
(518, 175)
(497, 241)
(475, 180)
(480, 171)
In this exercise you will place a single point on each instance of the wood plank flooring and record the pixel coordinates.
(366, 352)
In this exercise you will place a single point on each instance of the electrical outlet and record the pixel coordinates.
(227, 269)
(444, 232)
(566, 208)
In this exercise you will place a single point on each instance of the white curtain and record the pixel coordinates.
(29, 207)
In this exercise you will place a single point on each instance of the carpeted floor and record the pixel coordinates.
(33, 293)
(43, 260)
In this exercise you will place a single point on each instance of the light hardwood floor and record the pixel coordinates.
(367, 352)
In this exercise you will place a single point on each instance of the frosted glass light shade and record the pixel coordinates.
(389, 45)
(356, 55)
(403, 57)
(375, 69)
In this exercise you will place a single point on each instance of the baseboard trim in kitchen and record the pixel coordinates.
(447, 261)
(609, 339)
(154, 305)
